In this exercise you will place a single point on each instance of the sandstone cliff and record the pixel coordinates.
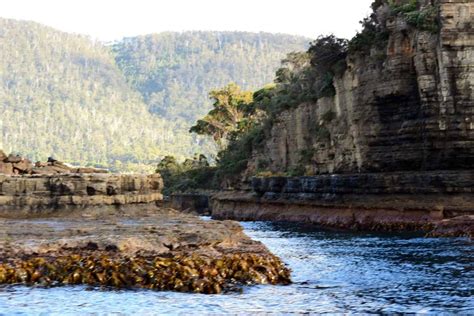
(393, 149)
(408, 106)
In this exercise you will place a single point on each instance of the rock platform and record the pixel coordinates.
(145, 247)
(110, 230)
(396, 201)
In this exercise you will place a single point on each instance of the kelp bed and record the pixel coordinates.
(183, 273)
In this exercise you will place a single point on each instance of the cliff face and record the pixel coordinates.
(395, 201)
(393, 149)
(409, 107)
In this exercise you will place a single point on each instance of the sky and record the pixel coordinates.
(109, 20)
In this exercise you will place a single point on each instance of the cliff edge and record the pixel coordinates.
(407, 105)
(391, 146)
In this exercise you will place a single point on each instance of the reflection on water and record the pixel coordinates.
(332, 272)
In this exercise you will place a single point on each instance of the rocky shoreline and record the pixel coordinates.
(78, 226)
(390, 149)
(438, 203)
(154, 248)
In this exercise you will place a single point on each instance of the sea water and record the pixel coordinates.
(332, 272)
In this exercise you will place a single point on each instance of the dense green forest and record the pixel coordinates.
(175, 71)
(126, 105)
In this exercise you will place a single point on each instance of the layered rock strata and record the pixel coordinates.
(406, 107)
(392, 149)
(395, 201)
(38, 195)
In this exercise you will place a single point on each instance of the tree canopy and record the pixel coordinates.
(228, 115)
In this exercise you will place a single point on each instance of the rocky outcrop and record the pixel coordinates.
(141, 247)
(407, 107)
(17, 165)
(393, 149)
(396, 201)
(460, 226)
(76, 226)
(38, 195)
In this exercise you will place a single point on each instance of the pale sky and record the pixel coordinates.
(109, 20)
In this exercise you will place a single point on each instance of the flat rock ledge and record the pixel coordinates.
(141, 247)
(460, 226)
(38, 195)
(439, 203)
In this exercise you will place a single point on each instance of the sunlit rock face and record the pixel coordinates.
(408, 107)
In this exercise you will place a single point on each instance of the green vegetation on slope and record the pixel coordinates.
(175, 71)
(303, 77)
(192, 174)
(240, 119)
(67, 96)
(63, 95)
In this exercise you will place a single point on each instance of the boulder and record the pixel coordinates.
(89, 170)
(3, 156)
(49, 169)
(6, 168)
(24, 166)
(40, 164)
(14, 158)
(61, 165)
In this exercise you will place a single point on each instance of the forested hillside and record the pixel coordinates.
(175, 71)
(65, 95)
